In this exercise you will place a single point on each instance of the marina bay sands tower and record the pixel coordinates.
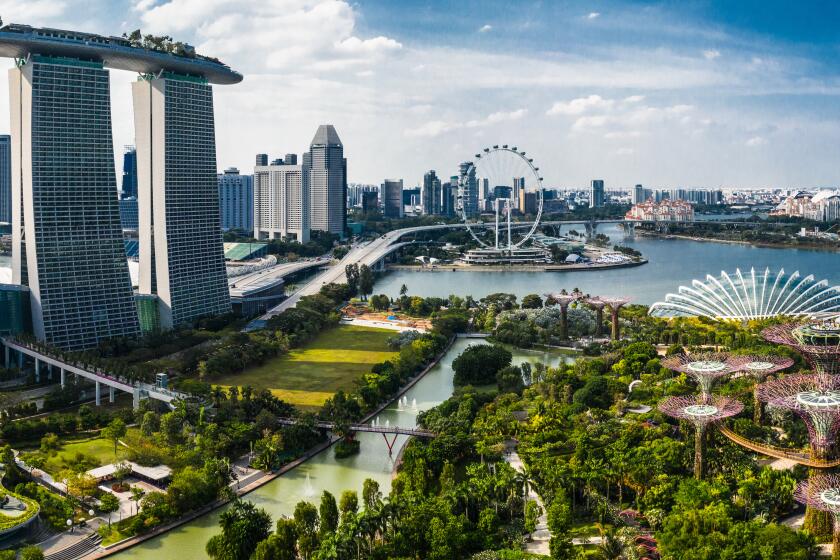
(67, 241)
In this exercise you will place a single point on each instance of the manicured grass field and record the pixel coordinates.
(308, 376)
(99, 450)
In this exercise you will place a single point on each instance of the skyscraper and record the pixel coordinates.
(67, 242)
(128, 187)
(281, 202)
(449, 196)
(181, 255)
(468, 190)
(5, 178)
(327, 169)
(261, 159)
(392, 198)
(370, 202)
(596, 193)
(638, 194)
(431, 194)
(290, 159)
(236, 200)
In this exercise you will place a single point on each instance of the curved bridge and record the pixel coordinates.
(384, 430)
(800, 456)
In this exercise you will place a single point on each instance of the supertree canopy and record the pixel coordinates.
(564, 300)
(598, 305)
(705, 368)
(615, 304)
(818, 341)
(815, 398)
(760, 367)
(701, 414)
(822, 492)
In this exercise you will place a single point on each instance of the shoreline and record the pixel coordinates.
(516, 268)
(820, 248)
(267, 477)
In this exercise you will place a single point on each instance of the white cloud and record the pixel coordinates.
(430, 129)
(593, 15)
(755, 142)
(579, 105)
(634, 99)
(711, 54)
(438, 127)
(32, 11)
(624, 151)
(485, 28)
(500, 116)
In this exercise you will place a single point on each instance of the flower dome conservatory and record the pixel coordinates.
(753, 295)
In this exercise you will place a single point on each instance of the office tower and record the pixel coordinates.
(528, 202)
(281, 203)
(236, 200)
(448, 197)
(638, 194)
(261, 159)
(596, 193)
(5, 178)
(518, 188)
(503, 191)
(370, 202)
(327, 171)
(290, 159)
(392, 198)
(128, 187)
(431, 194)
(181, 256)
(468, 190)
(129, 214)
(67, 242)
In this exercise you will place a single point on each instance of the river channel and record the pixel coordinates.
(324, 471)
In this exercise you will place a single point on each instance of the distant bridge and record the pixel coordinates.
(384, 430)
(800, 456)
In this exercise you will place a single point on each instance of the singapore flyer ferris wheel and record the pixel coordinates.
(504, 181)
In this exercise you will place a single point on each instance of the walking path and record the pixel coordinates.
(542, 536)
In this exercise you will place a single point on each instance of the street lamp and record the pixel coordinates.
(70, 524)
(91, 512)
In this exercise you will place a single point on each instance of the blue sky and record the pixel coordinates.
(718, 94)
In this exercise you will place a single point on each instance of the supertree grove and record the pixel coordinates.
(822, 492)
(818, 341)
(705, 368)
(760, 367)
(615, 304)
(564, 299)
(701, 414)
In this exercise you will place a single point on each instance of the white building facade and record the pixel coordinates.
(281, 202)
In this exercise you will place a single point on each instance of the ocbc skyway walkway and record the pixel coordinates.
(138, 390)
(800, 456)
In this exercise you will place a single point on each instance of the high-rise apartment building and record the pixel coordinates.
(5, 178)
(327, 169)
(392, 198)
(67, 242)
(181, 255)
(596, 193)
(431, 194)
(281, 202)
(236, 200)
(128, 187)
(468, 190)
(638, 194)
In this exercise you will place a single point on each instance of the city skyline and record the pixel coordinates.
(695, 95)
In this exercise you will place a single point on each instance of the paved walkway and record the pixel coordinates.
(541, 537)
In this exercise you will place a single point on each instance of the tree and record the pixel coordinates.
(31, 552)
(328, 513)
(114, 431)
(306, 526)
(348, 505)
(478, 364)
(351, 271)
(532, 301)
(532, 515)
(108, 504)
(151, 422)
(243, 527)
(365, 280)
(371, 496)
(281, 545)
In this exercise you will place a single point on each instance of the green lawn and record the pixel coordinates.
(308, 376)
(96, 452)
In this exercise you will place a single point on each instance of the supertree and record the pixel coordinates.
(564, 300)
(822, 493)
(701, 414)
(598, 305)
(615, 304)
(816, 399)
(818, 341)
(760, 367)
(705, 368)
